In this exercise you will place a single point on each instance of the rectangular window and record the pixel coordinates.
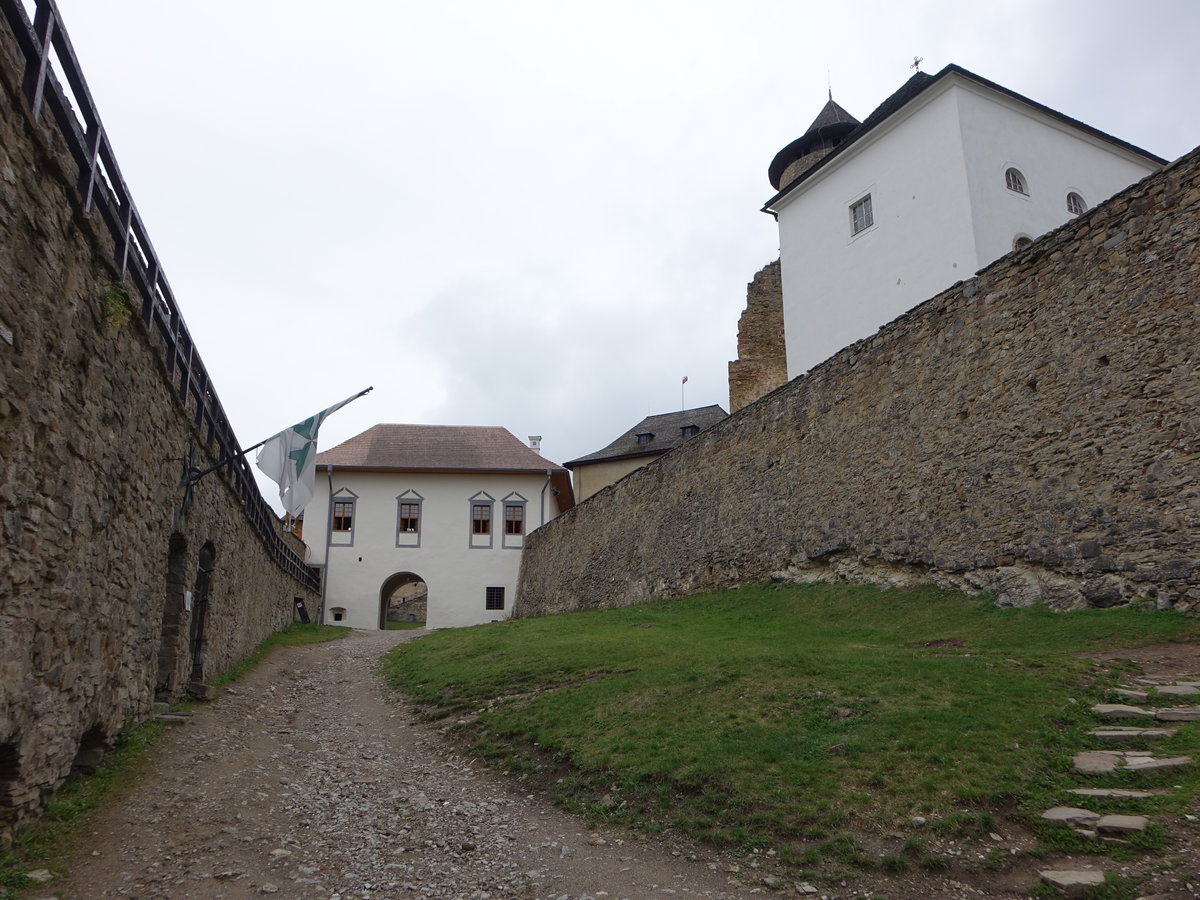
(343, 515)
(481, 518)
(493, 598)
(410, 517)
(514, 518)
(861, 215)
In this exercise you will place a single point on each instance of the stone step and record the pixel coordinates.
(1113, 793)
(1118, 824)
(1168, 714)
(1072, 882)
(1178, 690)
(1093, 762)
(1128, 733)
(1178, 714)
(1071, 815)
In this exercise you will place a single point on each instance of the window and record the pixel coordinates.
(688, 431)
(410, 517)
(481, 518)
(862, 216)
(339, 613)
(1076, 205)
(343, 515)
(493, 598)
(341, 518)
(1021, 241)
(513, 537)
(645, 437)
(1015, 182)
(479, 534)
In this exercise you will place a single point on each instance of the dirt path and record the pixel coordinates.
(308, 778)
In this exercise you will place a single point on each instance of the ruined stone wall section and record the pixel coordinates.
(761, 365)
(1034, 431)
(95, 552)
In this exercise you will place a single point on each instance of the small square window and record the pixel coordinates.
(645, 437)
(862, 216)
(493, 598)
(688, 431)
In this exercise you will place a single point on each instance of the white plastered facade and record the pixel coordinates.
(935, 172)
(456, 564)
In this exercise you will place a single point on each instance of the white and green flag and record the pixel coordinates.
(290, 458)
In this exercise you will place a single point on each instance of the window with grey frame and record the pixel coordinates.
(342, 513)
(480, 533)
(409, 509)
(513, 536)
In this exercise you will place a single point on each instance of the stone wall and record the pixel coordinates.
(761, 365)
(96, 550)
(1034, 431)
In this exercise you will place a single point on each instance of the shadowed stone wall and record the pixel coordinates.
(1034, 431)
(95, 552)
(761, 365)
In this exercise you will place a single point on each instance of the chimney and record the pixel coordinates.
(535, 443)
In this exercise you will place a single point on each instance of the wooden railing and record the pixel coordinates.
(49, 56)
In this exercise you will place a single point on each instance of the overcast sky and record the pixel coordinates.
(540, 215)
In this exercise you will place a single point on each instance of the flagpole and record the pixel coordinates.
(196, 475)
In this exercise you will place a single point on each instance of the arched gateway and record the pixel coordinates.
(401, 591)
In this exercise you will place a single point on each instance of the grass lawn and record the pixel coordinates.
(771, 715)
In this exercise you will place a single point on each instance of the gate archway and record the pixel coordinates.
(403, 595)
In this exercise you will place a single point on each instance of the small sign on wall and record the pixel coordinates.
(187, 601)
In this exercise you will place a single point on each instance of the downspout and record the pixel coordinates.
(328, 542)
(549, 473)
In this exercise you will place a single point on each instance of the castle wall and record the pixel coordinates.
(96, 552)
(1034, 431)
(761, 365)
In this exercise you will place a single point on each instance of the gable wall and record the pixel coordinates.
(1034, 431)
(456, 573)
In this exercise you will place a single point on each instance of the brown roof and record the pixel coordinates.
(457, 447)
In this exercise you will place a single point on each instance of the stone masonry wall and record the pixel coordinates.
(95, 552)
(1034, 431)
(761, 365)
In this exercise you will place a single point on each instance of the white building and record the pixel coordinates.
(949, 174)
(449, 506)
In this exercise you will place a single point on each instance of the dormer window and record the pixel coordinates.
(688, 431)
(1015, 182)
(645, 437)
(1076, 205)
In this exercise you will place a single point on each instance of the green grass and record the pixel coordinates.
(770, 716)
(294, 635)
(70, 809)
(404, 626)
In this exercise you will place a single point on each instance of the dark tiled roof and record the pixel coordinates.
(830, 126)
(666, 431)
(922, 81)
(455, 447)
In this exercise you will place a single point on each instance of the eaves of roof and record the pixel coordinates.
(918, 84)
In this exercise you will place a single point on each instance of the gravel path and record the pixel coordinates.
(309, 778)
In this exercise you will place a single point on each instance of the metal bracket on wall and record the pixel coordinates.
(187, 480)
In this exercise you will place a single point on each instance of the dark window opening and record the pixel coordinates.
(514, 519)
(493, 598)
(410, 517)
(481, 518)
(343, 515)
